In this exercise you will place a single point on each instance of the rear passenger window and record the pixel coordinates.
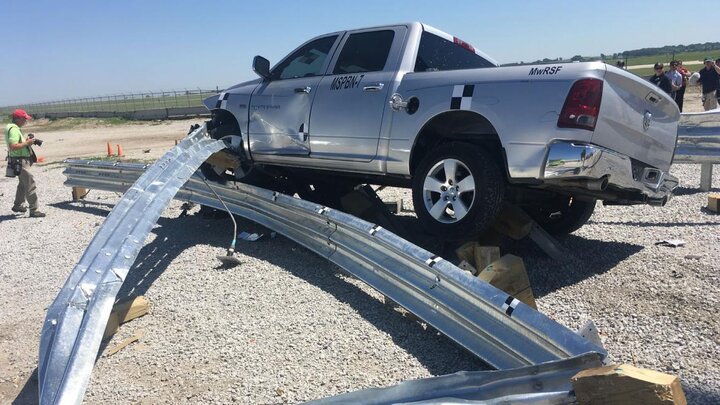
(306, 61)
(364, 52)
(437, 54)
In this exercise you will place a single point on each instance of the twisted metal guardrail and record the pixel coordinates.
(488, 322)
(547, 383)
(699, 142)
(75, 322)
(496, 327)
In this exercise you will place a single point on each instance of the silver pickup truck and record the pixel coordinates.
(411, 106)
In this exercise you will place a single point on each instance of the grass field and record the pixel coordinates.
(119, 103)
(665, 59)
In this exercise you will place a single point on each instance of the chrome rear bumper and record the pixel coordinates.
(606, 174)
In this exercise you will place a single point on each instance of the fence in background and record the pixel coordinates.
(150, 105)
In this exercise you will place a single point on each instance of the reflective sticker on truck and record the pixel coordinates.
(462, 97)
(222, 100)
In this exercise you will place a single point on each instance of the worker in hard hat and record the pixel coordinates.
(20, 159)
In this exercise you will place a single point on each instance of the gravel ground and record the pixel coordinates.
(287, 326)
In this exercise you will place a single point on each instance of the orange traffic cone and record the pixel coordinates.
(110, 152)
(120, 151)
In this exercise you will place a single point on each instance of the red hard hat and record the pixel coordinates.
(19, 113)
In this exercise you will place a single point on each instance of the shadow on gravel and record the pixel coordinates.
(590, 257)
(29, 393)
(10, 217)
(700, 395)
(691, 190)
(89, 207)
(658, 224)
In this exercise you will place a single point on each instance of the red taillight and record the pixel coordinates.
(582, 105)
(463, 44)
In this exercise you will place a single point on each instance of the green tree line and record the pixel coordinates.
(668, 49)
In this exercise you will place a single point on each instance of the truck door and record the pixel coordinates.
(279, 110)
(347, 112)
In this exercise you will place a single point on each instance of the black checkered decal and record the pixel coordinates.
(433, 261)
(510, 304)
(222, 100)
(462, 97)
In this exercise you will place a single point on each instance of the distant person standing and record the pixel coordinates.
(675, 79)
(680, 94)
(710, 80)
(19, 161)
(659, 79)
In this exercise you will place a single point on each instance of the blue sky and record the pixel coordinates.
(64, 49)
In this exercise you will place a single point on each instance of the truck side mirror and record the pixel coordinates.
(261, 66)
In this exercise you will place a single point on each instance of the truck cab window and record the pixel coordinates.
(438, 54)
(306, 61)
(365, 52)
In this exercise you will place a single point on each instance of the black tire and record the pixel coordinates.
(473, 210)
(564, 216)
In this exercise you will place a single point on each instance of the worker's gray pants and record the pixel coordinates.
(26, 189)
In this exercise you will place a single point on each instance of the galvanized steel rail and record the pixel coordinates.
(488, 322)
(548, 383)
(75, 322)
(699, 142)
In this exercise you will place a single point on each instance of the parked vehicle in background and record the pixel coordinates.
(411, 106)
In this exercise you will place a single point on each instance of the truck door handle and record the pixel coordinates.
(305, 90)
(374, 87)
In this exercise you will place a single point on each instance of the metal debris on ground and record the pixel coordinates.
(250, 237)
(671, 243)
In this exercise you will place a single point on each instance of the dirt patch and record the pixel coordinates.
(89, 138)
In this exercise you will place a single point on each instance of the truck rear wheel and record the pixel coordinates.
(457, 190)
(564, 217)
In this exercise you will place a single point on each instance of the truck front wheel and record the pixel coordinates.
(457, 191)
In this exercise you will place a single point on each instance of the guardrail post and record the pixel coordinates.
(706, 176)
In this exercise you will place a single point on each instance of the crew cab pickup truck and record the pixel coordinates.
(411, 106)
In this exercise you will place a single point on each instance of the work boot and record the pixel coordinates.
(18, 209)
(37, 214)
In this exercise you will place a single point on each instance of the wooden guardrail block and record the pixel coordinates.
(477, 256)
(625, 384)
(126, 311)
(714, 202)
(508, 274)
(78, 193)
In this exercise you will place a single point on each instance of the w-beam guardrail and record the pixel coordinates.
(75, 322)
(699, 142)
(485, 320)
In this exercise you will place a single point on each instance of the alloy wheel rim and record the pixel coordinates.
(449, 191)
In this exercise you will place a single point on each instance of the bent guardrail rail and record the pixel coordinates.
(488, 322)
(75, 322)
(699, 142)
(547, 383)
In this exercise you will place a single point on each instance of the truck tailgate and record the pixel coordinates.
(637, 119)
